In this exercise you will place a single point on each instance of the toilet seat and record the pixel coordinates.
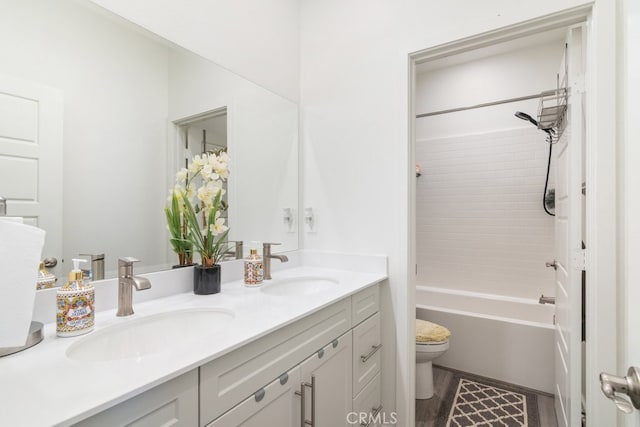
(432, 342)
(436, 346)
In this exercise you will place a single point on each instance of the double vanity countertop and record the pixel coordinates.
(55, 384)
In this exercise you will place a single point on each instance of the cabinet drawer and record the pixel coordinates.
(274, 405)
(367, 406)
(174, 403)
(230, 379)
(366, 352)
(365, 303)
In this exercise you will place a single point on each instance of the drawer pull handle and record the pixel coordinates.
(259, 395)
(374, 348)
(374, 415)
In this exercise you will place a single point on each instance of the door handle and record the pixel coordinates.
(553, 264)
(629, 385)
(546, 300)
(50, 262)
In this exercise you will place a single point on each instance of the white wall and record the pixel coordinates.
(479, 217)
(114, 84)
(255, 39)
(354, 100)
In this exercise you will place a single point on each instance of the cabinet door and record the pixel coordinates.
(274, 405)
(174, 403)
(329, 401)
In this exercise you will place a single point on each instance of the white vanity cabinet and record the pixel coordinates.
(326, 363)
(322, 383)
(232, 378)
(320, 348)
(174, 403)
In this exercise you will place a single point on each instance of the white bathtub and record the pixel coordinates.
(509, 339)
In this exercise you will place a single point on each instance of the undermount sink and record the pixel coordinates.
(296, 286)
(148, 335)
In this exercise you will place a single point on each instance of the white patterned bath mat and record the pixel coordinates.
(483, 405)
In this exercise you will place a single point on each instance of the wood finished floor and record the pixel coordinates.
(427, 410)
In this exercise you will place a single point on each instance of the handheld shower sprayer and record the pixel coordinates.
(525, 116)
(550, 134)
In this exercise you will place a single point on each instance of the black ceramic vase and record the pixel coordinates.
(206, 280)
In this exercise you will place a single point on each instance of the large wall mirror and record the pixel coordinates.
(94, 114)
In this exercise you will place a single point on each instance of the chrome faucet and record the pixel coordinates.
(126, 281)
(266, 259)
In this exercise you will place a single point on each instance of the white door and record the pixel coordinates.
(31, 121)
(629, 346)
(330, 372)
(274, 405)
(568, 231)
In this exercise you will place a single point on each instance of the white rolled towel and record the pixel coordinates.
(20, 252)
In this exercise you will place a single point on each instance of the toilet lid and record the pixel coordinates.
(429, 332)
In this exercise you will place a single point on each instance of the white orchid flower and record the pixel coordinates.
(223, 157)
(181, 175)
(209, 191)
(222, 169)
(218, 227)
(208, 173)
(196, 164)
(206, 194)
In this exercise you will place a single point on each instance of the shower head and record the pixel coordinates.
(525, 116)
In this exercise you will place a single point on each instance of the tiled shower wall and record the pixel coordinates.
(480, 222)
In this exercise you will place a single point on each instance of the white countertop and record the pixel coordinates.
(42, 387)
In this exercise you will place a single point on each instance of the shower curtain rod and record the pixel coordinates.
(488, 104)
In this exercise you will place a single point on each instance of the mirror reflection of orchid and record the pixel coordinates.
(418, 170)
(194, 215)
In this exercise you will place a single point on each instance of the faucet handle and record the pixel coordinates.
(126, 261)
(270, 244)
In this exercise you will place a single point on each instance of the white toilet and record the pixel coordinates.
(432, 341)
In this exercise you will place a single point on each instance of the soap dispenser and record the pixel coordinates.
(45, 280)
(75, 304)
(253, 269)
